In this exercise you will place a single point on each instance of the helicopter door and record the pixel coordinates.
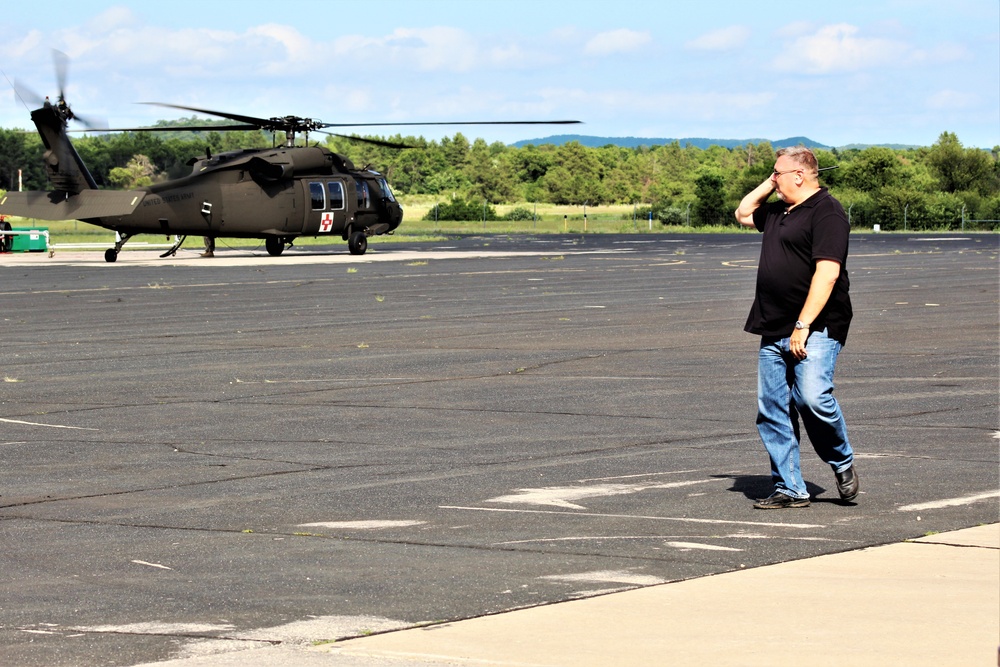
(327, 211)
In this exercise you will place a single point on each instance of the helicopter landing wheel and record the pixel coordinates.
(357, 243)
(274, 245)
(110, 255)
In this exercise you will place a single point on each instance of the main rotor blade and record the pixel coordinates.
(256, 122)
(296, 124)
(461, 122)
(365, 140)
(184, 128)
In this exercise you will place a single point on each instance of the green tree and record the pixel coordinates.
(490, 173)
(138, 172)
(577, 177)
(710, 208)
(959, 169)
(873, 169)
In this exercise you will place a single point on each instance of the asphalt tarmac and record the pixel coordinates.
(201, 454)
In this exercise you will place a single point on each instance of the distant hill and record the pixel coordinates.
(634, 142)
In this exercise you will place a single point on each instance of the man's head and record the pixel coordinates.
(796, 174)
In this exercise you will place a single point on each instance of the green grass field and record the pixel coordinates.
(549, 219)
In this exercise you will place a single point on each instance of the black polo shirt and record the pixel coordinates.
(793, 241)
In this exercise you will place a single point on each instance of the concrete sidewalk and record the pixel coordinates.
(932, 601)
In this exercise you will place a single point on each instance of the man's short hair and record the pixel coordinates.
(803, 157)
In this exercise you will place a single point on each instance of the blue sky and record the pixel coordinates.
(838, 73)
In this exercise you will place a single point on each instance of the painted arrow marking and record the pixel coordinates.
(563, 496)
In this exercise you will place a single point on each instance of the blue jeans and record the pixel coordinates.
(787, 389)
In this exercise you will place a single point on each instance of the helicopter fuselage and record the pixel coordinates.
(265, 193)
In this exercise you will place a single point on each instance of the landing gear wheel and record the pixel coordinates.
(274, 246)
(358, 243)
(110, 255)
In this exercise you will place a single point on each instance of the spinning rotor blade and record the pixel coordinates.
(28, 97)
(61, 62)
(31, 99)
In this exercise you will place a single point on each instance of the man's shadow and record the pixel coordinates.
(755, 487)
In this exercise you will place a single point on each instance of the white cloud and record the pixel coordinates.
(840, 48)
(31, 40)
(952, 100)
(297, 47)
(621, 40)
(723, 39)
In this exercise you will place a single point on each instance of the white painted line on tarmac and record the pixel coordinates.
(641, 474)
(608, 576)
(361, 525)
(699, 545)
(634, 516)
(75, 428)
(950, 502)
(669, 538)
(156, 565)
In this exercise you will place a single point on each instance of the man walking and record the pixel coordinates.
(802, 312)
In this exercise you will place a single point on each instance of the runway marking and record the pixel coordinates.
(950, 502)
(635, 516)
(641, 474)
(606, 538)
(159, 628)
(560, 496)
(75, 428)
(608, 577)
(698, 545)
(935, 240)
(362, 525)
(156, 565)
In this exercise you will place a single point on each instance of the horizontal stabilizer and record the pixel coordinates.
(60, 206)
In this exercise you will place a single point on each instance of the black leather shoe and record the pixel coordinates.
(780, 501)
(847, 484)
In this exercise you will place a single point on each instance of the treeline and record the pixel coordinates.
(936, 187)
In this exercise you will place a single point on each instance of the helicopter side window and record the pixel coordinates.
(318, 196)
(336, 189)
(364, 198)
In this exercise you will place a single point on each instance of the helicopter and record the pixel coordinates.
(276, 194)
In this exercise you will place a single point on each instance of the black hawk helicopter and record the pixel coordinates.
(276, 194)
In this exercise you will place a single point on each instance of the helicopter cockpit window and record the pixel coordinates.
(364, 198)
(386, 191)
(318, 196)
(336, 189)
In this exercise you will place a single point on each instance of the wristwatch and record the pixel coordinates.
(799, 324)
